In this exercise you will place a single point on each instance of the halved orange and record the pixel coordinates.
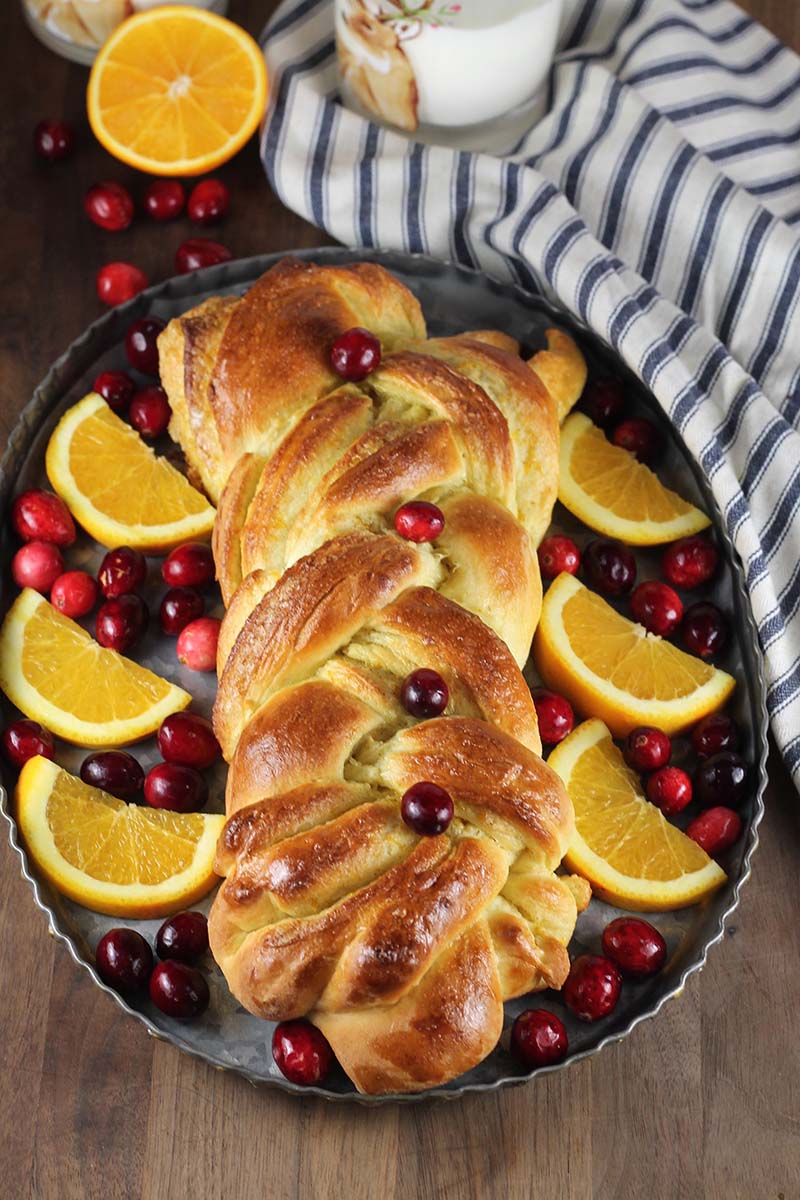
(176, 91)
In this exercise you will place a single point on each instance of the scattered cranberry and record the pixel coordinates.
(141, 344)
(189, 739)
(722, 779)
(53, 140)
(538, 1038)
(39, 516)
(74, 594)
(37, 565)
(592, 987)
(713, 734)
(604, 401)
(197, 644)
(557, 554)
(25, 739)
(122, 570)
(109, 205)
(150, 412)
(113, 771)
(704, 630)
(118, 282)
(639, 437)
(647, 748)
(419, 521)
(670, 789)
(355, 354)
(189, 565)
(715, 830)
(124, 960)
(121, 622)
(196, 253)
(635, 946)
(609, 566)
(183, 937)
(116, 388)
(176, 787)
(690, 561)
(656, 606)
(554, 714)
(179, 607)
(208, 201)
(178, 989)
(164, 199)
(301, 1052)
(424, 693)
(427, 809)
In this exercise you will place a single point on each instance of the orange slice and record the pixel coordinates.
(176, 91)
(611, 667)
(631, 855)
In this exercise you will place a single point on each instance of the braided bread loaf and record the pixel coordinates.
(400, 948)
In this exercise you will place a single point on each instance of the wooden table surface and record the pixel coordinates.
(702, 1102)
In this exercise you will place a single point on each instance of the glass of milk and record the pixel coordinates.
(445, 71)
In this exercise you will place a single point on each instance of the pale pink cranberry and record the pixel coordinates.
(197, 644)
(74, 594)
(37, 565)
(39, 516)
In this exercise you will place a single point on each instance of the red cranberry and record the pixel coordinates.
(197, 644)
(647, 748)
(554, 714)
(121, 622)
(639, 437)
(42, 517)
(109, 205)
(355, 354)
(713, 734)
(183, 937)
(690, 561)
(124, 960)
(150, 412)
(722, 779)
(179, 990)
(118, 282)
(122, 570)
(424, 693)
(301, 1052)
(189, 739)
(164, 199)
(656, 606)
(609, 566)
(189, 565)
(208, 201)
(419, 521)
(141, 345)
(635, 946)
(176, 787)
(603, 401)
(592, 987)
(116, 388)
(557, 554)
(25, 739)
(704, 630)
(196, 253)
(427, 809)
(179, 607)
(715, 830)
(670, 789)
(37, 565)
(74, 594)
(113, 771)
(53, 140)
(538, 1038)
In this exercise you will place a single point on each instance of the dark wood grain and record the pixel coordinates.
(703, 1102)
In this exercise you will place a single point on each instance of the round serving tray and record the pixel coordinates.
(453, 299)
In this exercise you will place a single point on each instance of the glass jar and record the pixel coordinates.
(77, 29)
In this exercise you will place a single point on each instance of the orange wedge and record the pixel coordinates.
(631, 855)
(176, 91)
(611, 667)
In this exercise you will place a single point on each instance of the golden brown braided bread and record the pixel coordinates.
(400, 948)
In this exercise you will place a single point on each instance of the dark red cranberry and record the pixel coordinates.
(647, 748)
(118, 282)
(722, 780)
(150, 412)
(301, 1052)
(141, 344)
(53, 140)
(124, 960)
(538, 1038)
(427, 809)
(26, 739)
(183, 937)
(557, 554)
(109, 205)
(209, 201)
(122, 570)
(603, 401)
(178, 989)
(419, 521)
(656, 606)
(635, 946)
(74, 594)
(554, 714)
(670, 789)
(610, 567)
(37, 565)
(690, 562)
(116, 388)
(196, 253)
(189, 565)
(189, 739)
(715, 733)
(113, 771)
(176, 787)
(121, 622)
(639, 437)
(715, 830)
(355, 354)
(424, 693)
(39, 516)
(179, 607)
(163, 199)
(704, 630)
(592, 987)
(197, 644)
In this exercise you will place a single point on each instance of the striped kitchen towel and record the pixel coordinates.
(658, 200)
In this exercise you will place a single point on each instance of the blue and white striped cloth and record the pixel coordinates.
(658, 200)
